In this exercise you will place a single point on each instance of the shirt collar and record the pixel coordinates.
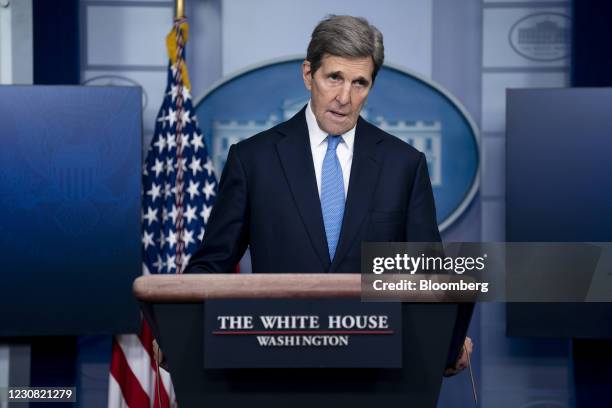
(318, 136)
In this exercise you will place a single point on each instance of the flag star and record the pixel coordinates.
(188, 238)
(209, 167)
(161, 144)
(169, 165)
(195, 165)
(173, 214)
(173, 92)
(159, 264)
(171, 116)
(185, 118)
(154, 192)
(164, 214)
(151, 215)
(186, 258)
(201, 234)
(172, 238)
(167, 190)
(205, 213)
(197, 142)
(162, 118)
(185, 140)
(147, 239)
(192, 190)
(209, 189)
(170, 141)
(183, 162)
(158, 167)
(170, 262)
(186, 94)
(190, 214)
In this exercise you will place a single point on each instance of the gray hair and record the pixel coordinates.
(348, 37)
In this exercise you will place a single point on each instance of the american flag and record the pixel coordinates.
(179, 188)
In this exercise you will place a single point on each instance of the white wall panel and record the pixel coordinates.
(256, 31)
(500, 45)
(493, 216)
(493, 180)
(494, 87)
(526, 2)
(6, 59)
(169, 2)
(127, 35)
(511, 377)
(152, 83)
(204, 45)
(4, 369)
(22, 42)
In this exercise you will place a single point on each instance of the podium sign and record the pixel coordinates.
(282, 333)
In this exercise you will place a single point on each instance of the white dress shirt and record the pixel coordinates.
(318, 146)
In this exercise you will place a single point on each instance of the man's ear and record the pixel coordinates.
(307, 74)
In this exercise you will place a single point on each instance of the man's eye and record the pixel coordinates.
(334, 77)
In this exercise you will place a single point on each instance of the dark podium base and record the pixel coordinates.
(427, 330)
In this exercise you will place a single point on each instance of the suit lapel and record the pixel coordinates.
(362, 183)
(296, 159)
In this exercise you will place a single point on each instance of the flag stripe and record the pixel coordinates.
(115, 397)
(167, 383)
(131, 389)
(146, 338)
(162, 395)
(137, 359)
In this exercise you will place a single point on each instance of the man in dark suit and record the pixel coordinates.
(305, 194)
(277, 195)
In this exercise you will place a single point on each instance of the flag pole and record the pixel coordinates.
(180, 8)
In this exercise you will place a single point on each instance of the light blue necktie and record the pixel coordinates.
(332, 194)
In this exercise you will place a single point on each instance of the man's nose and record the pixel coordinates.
(344, 95)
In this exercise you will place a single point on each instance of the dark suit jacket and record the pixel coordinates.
(268, 200)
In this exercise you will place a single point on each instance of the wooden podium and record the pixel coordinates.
(174, 306)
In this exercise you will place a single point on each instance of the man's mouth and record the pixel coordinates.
(338, 114)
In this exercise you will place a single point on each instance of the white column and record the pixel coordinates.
(5, 77)
(6, 61)
(16, 67)
(4, 369)
(16, 54)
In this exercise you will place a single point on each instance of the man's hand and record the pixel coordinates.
(159, 356)
(462, 360)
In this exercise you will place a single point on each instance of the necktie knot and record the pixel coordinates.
(333, 142)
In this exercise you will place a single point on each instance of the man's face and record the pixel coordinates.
(339, 88)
